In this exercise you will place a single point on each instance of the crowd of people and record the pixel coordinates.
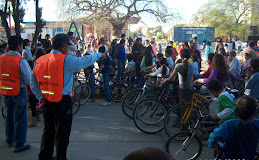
(43, 72)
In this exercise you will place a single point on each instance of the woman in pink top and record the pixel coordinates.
(154, 48)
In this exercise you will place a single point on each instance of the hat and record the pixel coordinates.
(61, 39)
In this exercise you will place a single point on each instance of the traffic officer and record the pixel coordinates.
(52, 82)
(14, 77)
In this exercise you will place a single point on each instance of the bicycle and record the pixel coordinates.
(149, 114)
(187, 145)
(75, 103)
(132, 97)
(181, 115)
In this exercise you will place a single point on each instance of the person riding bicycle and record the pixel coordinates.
(185, 74)
(225, 107)
(239, 135)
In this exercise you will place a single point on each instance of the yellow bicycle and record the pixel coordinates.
(181, 116)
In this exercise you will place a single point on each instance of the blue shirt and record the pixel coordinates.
(120, 53)
(195, 68)
(170, 63)
(71, 65)
(25, 70)
(107, 63)
(252, 86)
(240, 138)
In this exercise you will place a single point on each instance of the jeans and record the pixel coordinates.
(120, 70)
(57, 128)
(107, 89)
(16, 118)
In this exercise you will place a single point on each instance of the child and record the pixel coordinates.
(195, 64)
(246, 63)
(208, 72)
(222, 51)
(158, 57)
(240, 135)
(185, 74)
(207, 50)
(131, 67)
(252, 84)
(159, 48)
(162, 71)
(104, 68)
(234, 65)
(219, 72)
(225, 108)
(171, 64)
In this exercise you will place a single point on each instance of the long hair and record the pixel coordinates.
(220, 64)
(163, 63)
(185, 55)
(39, 52)
(222, 51)
(148, 56)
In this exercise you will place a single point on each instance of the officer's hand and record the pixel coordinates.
(103, 56)
(42, 103)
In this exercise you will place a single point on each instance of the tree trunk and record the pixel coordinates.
(5, 24)
(16, 17)
(38, 22)
(117, 28)
(3, 15)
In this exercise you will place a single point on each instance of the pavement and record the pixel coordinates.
(98, 133)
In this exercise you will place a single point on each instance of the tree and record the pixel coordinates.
(156, 32)
(17, 13)
(4, 14)
(117, 12)
(40, 23)
(229, 17)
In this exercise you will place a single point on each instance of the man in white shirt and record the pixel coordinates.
(195, 40)
(238, 44)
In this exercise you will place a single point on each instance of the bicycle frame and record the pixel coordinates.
(165, 90)
(195, 98)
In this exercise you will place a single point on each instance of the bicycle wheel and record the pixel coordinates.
(75, 103)
(149, 115)
(117, 91)
(173, 121)
(130, 88)
(84, 92)
(184, 146)
(130, 100)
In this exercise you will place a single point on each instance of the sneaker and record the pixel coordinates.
(106, 103)
(91, 100)
(26, 147)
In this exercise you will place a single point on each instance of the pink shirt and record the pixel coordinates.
(154, 48)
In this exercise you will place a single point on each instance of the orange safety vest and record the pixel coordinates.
(49, 72)
(10, 80)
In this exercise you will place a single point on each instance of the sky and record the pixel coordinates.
(186, 8)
